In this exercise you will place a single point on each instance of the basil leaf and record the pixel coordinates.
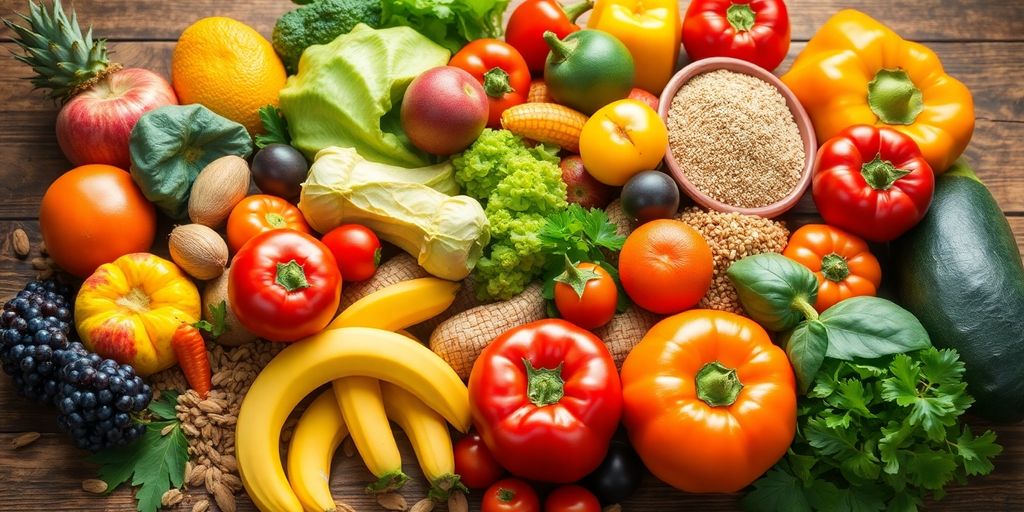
(870, 327)
(775, 291)
(806, 347)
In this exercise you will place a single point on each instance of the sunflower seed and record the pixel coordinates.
(224, 498)
(94, 486)
(171, 498)
(201, 506)
(392, 501)
(24, 440)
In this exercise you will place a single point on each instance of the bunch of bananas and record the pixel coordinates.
(377, 375)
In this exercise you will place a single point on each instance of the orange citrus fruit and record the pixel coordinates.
(665, 266)
(228, 67)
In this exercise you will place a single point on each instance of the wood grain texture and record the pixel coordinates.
(980, 42)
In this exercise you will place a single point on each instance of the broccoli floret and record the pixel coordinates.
(319, 23)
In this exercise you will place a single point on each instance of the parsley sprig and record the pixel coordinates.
(275, 126)
(878, 437)
(155, 463)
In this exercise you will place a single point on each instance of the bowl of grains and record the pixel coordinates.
(739, 141)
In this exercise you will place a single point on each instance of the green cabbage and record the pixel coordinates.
(348, 93)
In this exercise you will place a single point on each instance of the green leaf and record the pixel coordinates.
(977, 452)
(860, 499)
(930, 469)
(775, 291)
(861, 464)
(942, 366)
(164, 407)
(932, 413)
(829, 441)
(219, 325)
(891, 446)
(870, 327)
(155, 462)
(806, 347)
(777, 490)
(600, 231)
(904, 502)
(851, 396)
(275, 126)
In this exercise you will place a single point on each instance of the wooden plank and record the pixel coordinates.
(932, 20)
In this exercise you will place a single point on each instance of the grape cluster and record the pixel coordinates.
(96, 397)
(34, 329)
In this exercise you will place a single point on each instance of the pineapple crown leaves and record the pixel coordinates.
(65, 60)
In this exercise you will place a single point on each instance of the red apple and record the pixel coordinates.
(644, 96)
(444, 110)
(94, 125)
(582, 188)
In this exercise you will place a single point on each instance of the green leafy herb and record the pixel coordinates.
(806, 346)
(218, 312)
(774, 290)
(155, 463)
(870, 327)
(580, 235)
(880, 436)
(449, 23)
(275, 125)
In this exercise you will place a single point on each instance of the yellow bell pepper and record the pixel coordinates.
(650, 29)
(857, 71)
(128, 310)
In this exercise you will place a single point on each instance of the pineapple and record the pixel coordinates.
(65, 61)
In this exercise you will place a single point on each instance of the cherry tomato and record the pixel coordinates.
(510, 495)
(474, 463)
(586, 295)
(256, 214)
(571, 498)
(356, 249)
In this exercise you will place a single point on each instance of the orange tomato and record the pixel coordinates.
(92, 215)
(622, 139)
(665, 266)
(709, 401)
(259, 213)
(841, 261)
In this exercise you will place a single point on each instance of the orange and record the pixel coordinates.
(228, 67)
(92, 215)
(665, 266)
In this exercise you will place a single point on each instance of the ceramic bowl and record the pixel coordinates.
(803, 123)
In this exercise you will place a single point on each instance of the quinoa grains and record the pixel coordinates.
(735, 139)
(732, 237)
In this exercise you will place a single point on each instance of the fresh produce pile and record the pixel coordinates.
(465, 223)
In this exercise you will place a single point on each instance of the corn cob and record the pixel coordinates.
(539, 93)
(548, 123)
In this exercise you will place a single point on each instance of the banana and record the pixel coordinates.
(305, 366)
(362, 406)
(400, 305)
(429, 436)
(319, 432)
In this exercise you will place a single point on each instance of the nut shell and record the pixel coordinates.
(217, 189)
(199, 251)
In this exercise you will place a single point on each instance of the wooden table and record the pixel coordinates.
(980, 42)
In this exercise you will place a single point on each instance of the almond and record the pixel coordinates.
(94, 486)
(217, 189)
(392, 501)
(20, 243)
(423, 506)
(199, 251)
(457, 502)
(24, 440)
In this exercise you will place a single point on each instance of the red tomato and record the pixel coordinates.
(475, 464)
(510, 495)
(571, 498)
(500, 69)
(595, 305)
(261, 213)
(356, 249)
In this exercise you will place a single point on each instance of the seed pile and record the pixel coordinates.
(732, 237)
(209, 425)
(735, 139)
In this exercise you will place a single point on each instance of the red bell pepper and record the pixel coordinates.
(526, 27)
(500, 68)
(284, 285)
(546, 399)
(873, 182)
(752, 30)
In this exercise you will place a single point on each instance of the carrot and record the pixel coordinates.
(190, 349)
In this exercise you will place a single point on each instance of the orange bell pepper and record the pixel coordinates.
(857, 71)
(709, 401)
(841, 261)
(650, 29)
